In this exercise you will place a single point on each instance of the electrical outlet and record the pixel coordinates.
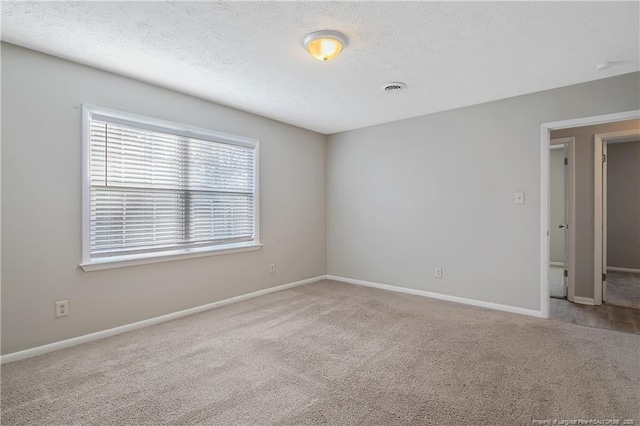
(272, 268)
(62, 308)
(438, 272)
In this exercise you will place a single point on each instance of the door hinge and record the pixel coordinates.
(566, 273)
(566, 161)
(604, 277)
(604, 158)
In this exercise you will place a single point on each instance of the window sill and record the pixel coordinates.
(124, 261)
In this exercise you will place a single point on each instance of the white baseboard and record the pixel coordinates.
(584, 300)
(28, 353)
(474, 302)
(556, 264)
(615, 268)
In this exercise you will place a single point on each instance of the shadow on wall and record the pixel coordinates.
(623, 205)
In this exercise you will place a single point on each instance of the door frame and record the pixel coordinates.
(545, 137)
(600, 142)
(570, 217)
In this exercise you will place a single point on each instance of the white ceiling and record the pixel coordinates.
(249, 55)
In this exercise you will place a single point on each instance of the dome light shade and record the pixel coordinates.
(325, 45)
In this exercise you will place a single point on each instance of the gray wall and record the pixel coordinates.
(623, 205)
(556, 205)
(401, 198)
(584, 197)
(41, 206)
(438, 190)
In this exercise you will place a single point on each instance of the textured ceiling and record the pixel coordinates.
(249, 55)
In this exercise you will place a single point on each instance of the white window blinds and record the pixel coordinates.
(155, 189)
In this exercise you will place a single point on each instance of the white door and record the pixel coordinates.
(558, 216)
(565, 221)
(604, 221)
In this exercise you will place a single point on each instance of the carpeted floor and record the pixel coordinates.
(607, 316)
(337, 354)
(623, 289)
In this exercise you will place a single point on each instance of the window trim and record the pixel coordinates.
(87, 264)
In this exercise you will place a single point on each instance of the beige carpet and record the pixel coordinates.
(337, 354)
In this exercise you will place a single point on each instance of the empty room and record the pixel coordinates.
(343, 213)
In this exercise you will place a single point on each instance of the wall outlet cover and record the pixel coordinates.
(62, 308)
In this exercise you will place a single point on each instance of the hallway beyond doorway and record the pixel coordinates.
(603, 316)
(623, 289)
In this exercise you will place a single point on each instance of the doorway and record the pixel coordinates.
(617, 218)
(586, 296)
(583, 226)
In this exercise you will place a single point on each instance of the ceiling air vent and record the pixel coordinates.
(396, 86)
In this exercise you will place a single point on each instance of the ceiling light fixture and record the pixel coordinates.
(325, 45)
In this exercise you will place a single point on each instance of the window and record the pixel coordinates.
(159, 190)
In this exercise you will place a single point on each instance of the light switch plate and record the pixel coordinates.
(519, 198)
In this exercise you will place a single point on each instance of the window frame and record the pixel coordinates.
(88, 264)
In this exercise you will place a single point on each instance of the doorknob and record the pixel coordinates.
(562, 226)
